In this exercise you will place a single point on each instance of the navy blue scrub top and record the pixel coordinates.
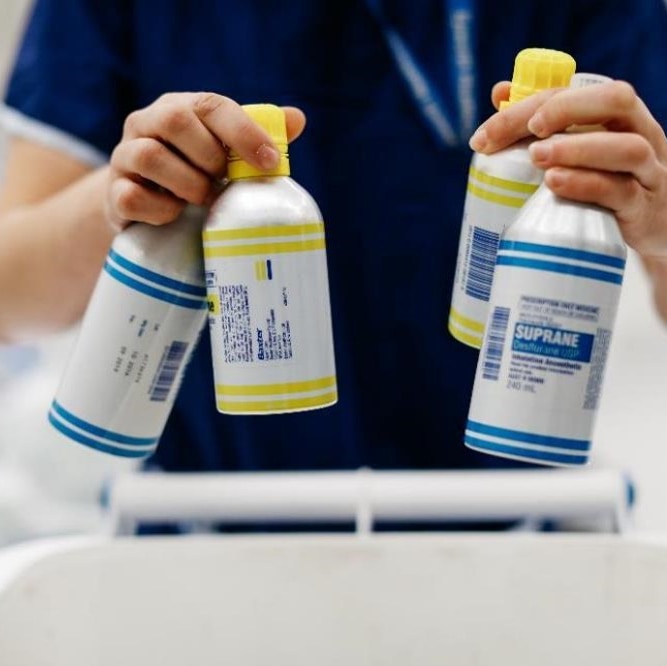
(391, 195)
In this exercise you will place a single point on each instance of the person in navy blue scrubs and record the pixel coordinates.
(105, 100)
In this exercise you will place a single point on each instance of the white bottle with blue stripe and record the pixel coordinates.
(552, 309)
(140, 328)
(499, 184)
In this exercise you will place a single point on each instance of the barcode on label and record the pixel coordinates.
(482, 262)
(170, 363)
(596, 372)
(495, 341)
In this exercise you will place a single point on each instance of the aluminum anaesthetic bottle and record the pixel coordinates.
(552, 309)
(141, 326)
(498, 186)
(268, 290)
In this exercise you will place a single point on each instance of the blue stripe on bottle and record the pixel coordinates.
(94, 444)
(569, 253)
(192, 289)
(101, 432)
(545, 456)
(553, 267)
(529, 437)
(152, 291)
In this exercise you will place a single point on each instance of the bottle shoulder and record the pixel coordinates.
(172, 250)
(511, 163)
(551, 220)
(250, 202)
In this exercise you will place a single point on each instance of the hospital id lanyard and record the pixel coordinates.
(460, 31)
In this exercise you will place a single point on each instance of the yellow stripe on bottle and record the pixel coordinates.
(275, 230)
(465, 322)
(282, 405)
(494, 197)
(263, 248)
(466, 330)
(504, 183)
(276, 389)
(467, 338)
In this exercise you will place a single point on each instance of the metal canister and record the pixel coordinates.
(268, 291)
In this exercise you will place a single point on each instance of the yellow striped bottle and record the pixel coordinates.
(268, 290)
(498, 185)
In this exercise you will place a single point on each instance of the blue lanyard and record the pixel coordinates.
(460, 31)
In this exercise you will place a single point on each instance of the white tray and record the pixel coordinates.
(515, 599)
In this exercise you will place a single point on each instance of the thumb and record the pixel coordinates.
(295, 121)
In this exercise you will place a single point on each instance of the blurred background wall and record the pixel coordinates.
(12, 13)
(48, 485)
(12, 16)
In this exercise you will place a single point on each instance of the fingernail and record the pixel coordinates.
(554, 178)
(536, 124)
(268, 157)
(540, 151)
(479, 140)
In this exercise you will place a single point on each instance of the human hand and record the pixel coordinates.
(623, 169)
(174, 152)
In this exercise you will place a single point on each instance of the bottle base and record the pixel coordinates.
(465, 330)
(545, 458)
(97, 438)
(286, 406)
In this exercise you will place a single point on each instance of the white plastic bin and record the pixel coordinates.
(515, 599)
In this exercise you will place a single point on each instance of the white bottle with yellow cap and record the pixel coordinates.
(268, 291)
(498, 185)
(552, 310)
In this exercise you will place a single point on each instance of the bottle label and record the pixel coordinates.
(270, 318)
(491, 205)
(540, 371)
(136, 339)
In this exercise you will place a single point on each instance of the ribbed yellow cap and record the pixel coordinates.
(272, 119)
(538, 69)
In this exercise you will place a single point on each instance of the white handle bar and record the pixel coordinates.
(366, 496)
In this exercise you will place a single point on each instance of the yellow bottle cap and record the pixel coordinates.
(538, 69)
(272, 119)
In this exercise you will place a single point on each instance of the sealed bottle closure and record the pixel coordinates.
(272, 119)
